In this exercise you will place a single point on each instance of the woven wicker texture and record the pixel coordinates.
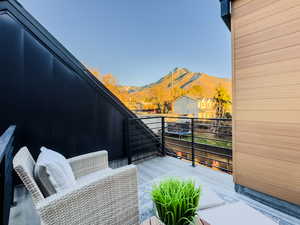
(24, 165)
(89, 163)
(108, 199)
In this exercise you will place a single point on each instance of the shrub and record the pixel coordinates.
(176, 201)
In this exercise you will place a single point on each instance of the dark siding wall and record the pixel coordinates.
(51, 104)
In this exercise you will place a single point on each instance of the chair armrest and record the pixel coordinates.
(89, 163)
(110, 199)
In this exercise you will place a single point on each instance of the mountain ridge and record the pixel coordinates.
(185, 80)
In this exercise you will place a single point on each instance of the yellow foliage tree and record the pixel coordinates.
(96, 73)
(196, 91)
(111, 83)
(163, 99)
(222, 101)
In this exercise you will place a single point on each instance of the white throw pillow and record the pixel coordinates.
(58, 169)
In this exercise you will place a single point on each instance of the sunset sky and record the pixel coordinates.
(139, 41)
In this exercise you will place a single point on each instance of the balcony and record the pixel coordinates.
(155, 165)
(61, 105)
(154, 169)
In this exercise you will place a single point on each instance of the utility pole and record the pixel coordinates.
(172, 94)
(172, 87)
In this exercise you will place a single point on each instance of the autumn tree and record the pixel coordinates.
(96, 73)
(177, 92)
(111, 83)
(196, 91)
(171, 96)
(162, 98)
(157, 97)
(222, 100)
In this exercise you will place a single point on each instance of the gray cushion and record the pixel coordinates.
(42, 179)
(53, 172)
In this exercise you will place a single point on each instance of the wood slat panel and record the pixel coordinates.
(260, 10)
(287, 91)
(266, 84)
(268, 116)
(269, 80)
(268, 22)
(269, 152)
(268, 104)
(291, 52)
(277, 141)
(240, 3)
(270, 173)
(277, 129)
(268, 34)
(282, 67)
(282, 42)
(267, 188)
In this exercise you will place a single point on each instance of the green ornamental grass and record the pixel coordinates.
(176, 201)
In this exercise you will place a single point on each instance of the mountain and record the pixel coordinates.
(129, 89)
(193, 83)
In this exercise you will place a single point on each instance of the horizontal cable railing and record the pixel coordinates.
(202, 141)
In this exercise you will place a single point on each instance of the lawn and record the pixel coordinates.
(203, 140)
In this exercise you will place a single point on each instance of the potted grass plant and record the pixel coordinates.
(176, 201)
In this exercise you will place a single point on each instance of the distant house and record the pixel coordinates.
(196, 107)
(206, 108)
(186, 105)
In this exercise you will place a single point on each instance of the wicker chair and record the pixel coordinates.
(102, 196)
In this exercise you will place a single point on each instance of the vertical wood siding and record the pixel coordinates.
(266, 85)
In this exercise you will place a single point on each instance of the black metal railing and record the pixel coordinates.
(6, 174)
(201, 141)
(144, 138)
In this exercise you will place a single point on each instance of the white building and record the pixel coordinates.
(196, 107)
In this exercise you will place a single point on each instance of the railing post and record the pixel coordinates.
(127, 143)
(163, 136)
(193, 141)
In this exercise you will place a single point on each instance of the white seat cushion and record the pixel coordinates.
(53, 172)
(235, 214)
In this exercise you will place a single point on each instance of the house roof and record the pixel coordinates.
(194, 98)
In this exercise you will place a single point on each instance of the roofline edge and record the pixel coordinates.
(226, 12)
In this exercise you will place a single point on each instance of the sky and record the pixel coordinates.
(139, 41)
